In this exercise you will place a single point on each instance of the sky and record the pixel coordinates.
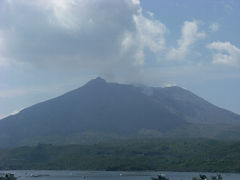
(48, 47)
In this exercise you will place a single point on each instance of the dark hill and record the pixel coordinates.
(105, 108)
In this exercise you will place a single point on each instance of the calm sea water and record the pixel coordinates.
(106, 175)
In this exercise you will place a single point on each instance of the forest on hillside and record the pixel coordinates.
(155, 154)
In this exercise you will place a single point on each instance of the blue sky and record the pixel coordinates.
(48, 47)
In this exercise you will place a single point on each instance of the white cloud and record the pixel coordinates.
(68, 32)
(149, 34)
(190, 34)
(214, 27)
(79, 34)
(226, 53)
(151, 14)
(64, 12)
(137, 2)
(169, 85)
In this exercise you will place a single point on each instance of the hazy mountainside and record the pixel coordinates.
(193, 108)
(110, 108)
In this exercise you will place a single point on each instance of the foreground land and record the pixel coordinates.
(154, 154)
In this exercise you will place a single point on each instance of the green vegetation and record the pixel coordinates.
(154, 154)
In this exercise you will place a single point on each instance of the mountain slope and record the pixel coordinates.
(193, 108)
(111, 108)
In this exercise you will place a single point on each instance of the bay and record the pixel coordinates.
(109, 175)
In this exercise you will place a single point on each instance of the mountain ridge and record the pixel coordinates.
(111, 108)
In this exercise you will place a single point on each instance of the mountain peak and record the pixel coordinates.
(98, 80)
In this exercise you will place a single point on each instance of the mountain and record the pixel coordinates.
(101, 110)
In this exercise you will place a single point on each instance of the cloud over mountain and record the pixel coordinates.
(55, 43)
(225, 53)
(97, 34)
(190, 34)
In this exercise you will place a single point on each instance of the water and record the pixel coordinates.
(106, 175)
